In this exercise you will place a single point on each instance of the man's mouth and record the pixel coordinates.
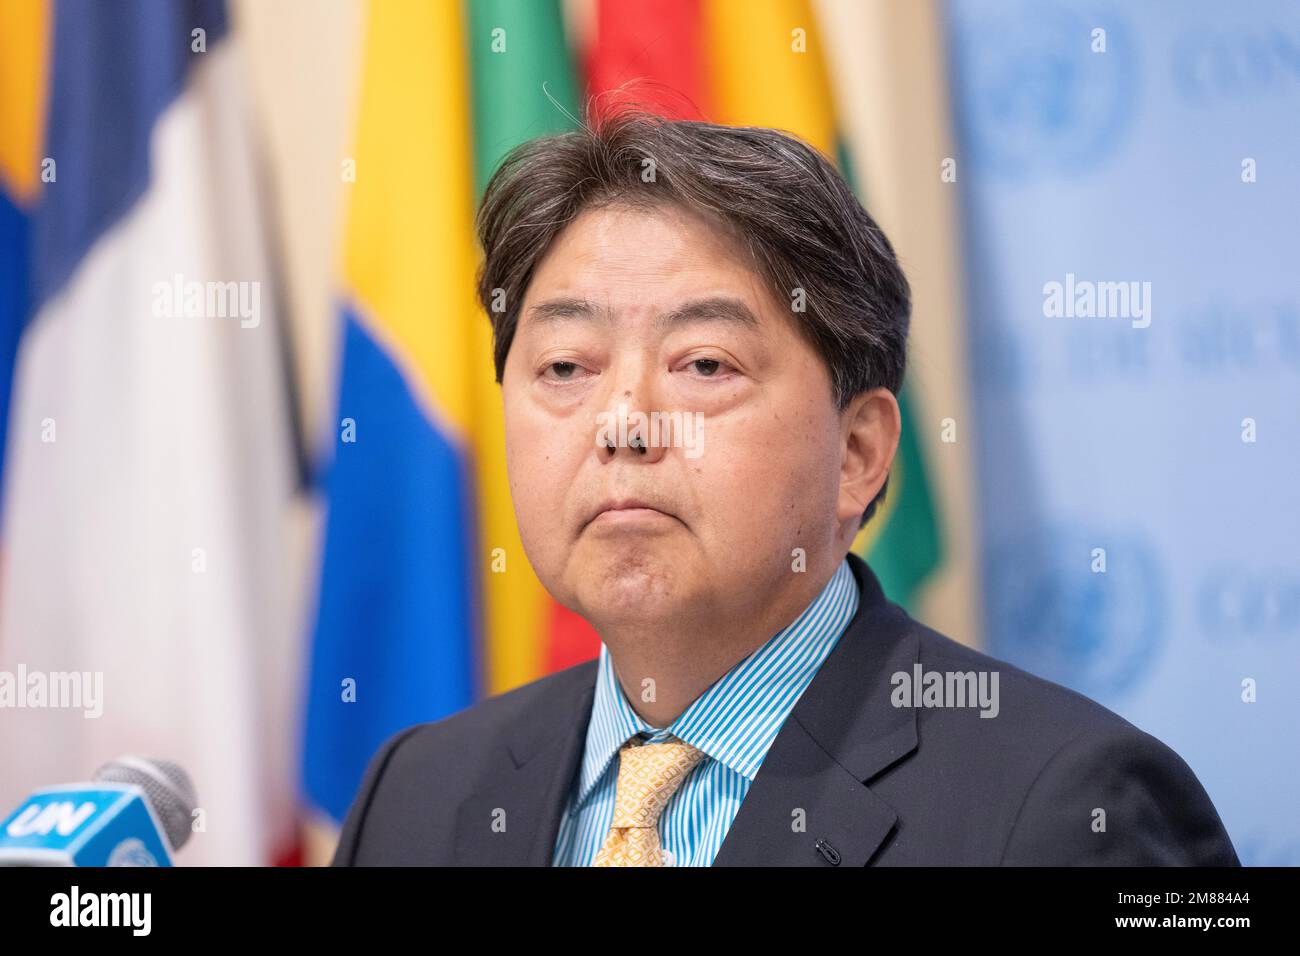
(628, 511)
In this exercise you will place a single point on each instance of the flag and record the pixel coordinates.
(150, 449)
(394, 641)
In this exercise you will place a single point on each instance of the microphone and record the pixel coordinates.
(135, 812)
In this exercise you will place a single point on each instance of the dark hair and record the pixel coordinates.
(780, 199)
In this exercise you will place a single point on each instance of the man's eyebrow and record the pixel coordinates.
(724, 307)
(566, 307)
(713, 308)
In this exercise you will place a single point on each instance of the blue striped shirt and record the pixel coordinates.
(734, 722)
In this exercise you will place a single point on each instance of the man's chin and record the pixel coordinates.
(628, 583)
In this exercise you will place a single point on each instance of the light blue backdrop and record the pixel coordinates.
(1126, 166)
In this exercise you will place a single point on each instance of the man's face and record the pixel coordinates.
(645, 309)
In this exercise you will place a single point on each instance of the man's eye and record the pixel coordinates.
(707, 367)
(563, 370)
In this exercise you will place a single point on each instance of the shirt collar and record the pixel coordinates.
(736, 720)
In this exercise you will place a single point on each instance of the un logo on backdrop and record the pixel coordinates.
(1033, 98)
(1052, 614)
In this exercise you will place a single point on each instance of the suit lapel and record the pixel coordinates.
(809, 804)
(515, 819)
(800, 799)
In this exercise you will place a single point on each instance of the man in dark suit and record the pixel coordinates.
(757, 699)
(882, 785)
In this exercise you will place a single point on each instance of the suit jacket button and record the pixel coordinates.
(831, 854)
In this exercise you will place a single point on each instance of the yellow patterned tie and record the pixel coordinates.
(648, 776)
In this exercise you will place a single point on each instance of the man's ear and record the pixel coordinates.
(871, 426)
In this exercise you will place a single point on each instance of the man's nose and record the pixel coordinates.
(638, 440)
(629, 426)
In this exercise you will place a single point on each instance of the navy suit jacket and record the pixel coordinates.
(1053, 779)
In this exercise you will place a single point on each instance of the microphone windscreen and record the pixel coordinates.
(166, 786)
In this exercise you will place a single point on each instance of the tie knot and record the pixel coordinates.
(648, 776)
